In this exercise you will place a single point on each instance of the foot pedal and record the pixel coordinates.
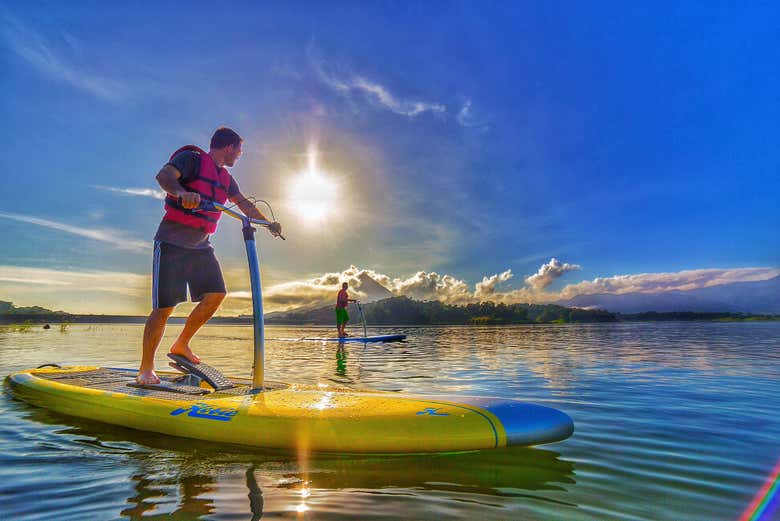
(187, 379)
(210, 375)
(171, 387)
(178, 367)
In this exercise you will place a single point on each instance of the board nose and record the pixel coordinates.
(531, 424)
(524, 423)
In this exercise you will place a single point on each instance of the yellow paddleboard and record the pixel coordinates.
(292, 416)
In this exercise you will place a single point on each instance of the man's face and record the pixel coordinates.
(232, 155)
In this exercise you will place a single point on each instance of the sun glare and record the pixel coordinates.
(312, 193)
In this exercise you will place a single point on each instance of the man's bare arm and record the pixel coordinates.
(250, 210)
(247, 207)
(168, 178)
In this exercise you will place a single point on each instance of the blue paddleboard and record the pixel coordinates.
(378, 338)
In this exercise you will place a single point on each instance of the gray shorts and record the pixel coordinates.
(176, 269)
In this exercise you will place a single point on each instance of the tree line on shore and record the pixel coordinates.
(407, 311)
(403, 310)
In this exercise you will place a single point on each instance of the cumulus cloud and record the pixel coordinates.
(129, 292)
(433, 286)
(367, 285)
(652, 283)
(364, 284)
(44, 56)
(423, 285)
(548, 273)
(487, 287)
(113, 237)
(142, 192)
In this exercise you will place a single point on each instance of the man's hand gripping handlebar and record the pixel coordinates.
(275, 228)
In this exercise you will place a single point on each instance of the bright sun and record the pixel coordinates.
(312, 194)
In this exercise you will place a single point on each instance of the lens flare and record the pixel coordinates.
(312, 193)
(765, 503)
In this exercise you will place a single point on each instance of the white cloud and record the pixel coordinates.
(423, 285)
(118, 292)
(142, 192)
(121, 283)
(44, 57)
(433, 286)
(364, 284)
(27, 277)
(113, 237)
(376, 93)
(381, 95)
(548, 273)
(240, 295)
(662, 282)
(76, 291)
(488, 286)
(322, 289)
(466, 118)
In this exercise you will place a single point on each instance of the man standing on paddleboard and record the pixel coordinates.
(342, 317)
(183, 256)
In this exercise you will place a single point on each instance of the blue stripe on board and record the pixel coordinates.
(155, 274)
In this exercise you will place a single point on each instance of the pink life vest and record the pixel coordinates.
(211, 183)
(342, 299)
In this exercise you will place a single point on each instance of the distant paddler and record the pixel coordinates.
(183, 256)
(342, 317)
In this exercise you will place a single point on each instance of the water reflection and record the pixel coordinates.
(255, 494)
(151, 492)
(341, 360)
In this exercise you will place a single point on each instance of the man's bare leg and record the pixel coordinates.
(153, 333)
(199, 316)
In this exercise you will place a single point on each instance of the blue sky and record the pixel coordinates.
(577, 142)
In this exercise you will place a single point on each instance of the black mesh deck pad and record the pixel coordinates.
(173, 387)
(117, 380)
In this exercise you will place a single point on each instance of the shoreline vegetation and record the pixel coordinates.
(393, 311)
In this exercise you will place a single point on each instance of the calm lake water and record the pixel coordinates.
(673, 421)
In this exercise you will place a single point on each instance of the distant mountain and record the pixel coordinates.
(372, 289)
(740, 297)
(8, 308)
(403, 310)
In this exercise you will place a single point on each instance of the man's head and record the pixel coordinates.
(344, 285)
(226, 146)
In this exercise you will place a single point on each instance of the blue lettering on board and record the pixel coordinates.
(430, 411)
(205, 411)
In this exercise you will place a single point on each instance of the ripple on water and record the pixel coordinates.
(673, 422)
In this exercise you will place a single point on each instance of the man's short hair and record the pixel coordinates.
(225, 137)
